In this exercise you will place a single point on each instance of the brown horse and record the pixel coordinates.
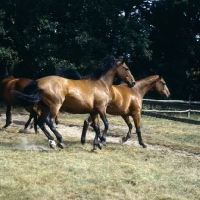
(89, 95)
(128, 102)
(7, 84)
(66, 73)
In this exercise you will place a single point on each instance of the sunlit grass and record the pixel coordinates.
(116, 172)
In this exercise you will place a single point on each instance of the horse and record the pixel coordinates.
(7, 84)
(66, 73)
(88, 95)
(127, 102)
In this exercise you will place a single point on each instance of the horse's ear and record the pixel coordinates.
(123, 58)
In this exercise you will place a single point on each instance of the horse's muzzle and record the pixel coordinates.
(131, 84)
(167, 96)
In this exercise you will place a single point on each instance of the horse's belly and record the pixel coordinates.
(113, 109)
(76, 106)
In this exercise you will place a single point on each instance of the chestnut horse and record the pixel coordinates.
(128, 102)
(7, 84)
(89, 95)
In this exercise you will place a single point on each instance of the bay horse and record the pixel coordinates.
(127, 102)
(66, 73)
(89, 95)
(7, 84)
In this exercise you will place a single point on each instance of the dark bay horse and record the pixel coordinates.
(89, 95)
(127, 102)
(7, 84)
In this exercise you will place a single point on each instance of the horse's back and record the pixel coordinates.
(75, 96)
(21, 83)
(10, 83)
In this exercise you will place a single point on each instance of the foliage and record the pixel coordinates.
(38, 36)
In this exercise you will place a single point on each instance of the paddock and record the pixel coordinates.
(166, 169)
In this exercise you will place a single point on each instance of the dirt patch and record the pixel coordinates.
(75, 131)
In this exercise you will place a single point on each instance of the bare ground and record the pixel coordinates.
(75, 131)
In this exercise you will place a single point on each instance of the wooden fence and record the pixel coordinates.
(169, 108)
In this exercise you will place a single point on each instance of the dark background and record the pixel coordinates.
(162, 36)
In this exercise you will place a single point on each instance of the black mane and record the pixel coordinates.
(145, 74)
(103, 67)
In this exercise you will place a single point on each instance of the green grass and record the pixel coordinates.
(116, 172)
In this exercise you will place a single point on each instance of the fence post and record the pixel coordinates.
(190, 97)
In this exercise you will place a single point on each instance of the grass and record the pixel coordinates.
(116, 172)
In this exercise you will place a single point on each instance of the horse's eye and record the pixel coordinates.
(126, 69)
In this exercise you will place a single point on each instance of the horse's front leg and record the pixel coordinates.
(136, 119)
(127, 120)
(8, 116)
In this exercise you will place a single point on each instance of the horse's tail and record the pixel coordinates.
(30, 94)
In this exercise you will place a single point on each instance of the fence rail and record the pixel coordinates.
(172, 106)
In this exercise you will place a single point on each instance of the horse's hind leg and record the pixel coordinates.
(33, 115)
(49, 122)
(136, 119)
(87, 122)
(96, 128)
(106, 125)
(127, 120)
(8, 116)
(56, 121)
(41, 124)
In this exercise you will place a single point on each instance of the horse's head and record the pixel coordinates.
(3, 70)
(161, 88)
(124, 73)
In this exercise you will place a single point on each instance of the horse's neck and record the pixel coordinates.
(108, 78)
(144, 85)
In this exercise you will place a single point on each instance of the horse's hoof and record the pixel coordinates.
(100, 145)
(23, 131)
(94, 148)
(61, 145)
(104, 143)
(124, 139)
(82, 142)
(52, 144)
(143, 145)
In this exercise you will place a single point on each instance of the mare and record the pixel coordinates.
(88, 95)
(7, 84)
(127, 102)
(66, 73)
